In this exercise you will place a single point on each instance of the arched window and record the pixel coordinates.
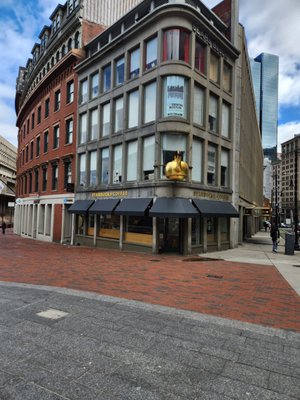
(48, 66)
(52, 62)
(76, 40)
(70, 44)
(63, 50)
(57, 56)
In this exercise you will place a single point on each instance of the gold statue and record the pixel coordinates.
(177, 170)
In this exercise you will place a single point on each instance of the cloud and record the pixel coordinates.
(287, 132)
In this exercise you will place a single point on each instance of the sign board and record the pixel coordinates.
(10, 204)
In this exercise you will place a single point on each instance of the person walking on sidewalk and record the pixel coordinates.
(3, 227)
(274, 233)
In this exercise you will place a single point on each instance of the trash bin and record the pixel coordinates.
(289, 243)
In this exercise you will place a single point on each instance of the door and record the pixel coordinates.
(171, 235)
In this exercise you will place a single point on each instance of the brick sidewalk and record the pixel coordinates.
(245, 292)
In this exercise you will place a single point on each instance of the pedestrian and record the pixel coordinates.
(3, 227)
(274, 233)
(265, 226)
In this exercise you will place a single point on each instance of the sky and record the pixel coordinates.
(271, 26)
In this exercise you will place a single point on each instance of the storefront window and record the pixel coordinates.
(199, 101)
(138, 230)
(150, 102)
(105, 166)
(176, 45)
(211, 227)
(224, 228)
(132, 161)
(175, 96)
(79, 224)
(108, 226)
(151, 53)
(148, 157)
(200, 57)
(170, 144)
(133, 109)
(197, 227)
(91, 225)
(197, 154)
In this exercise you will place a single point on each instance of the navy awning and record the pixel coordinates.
(138, 206)
(104, 206)
(80, 206)
(213, 208)
(173, 207)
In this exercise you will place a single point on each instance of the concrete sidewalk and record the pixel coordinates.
(258, 250)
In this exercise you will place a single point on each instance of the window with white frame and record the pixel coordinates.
(199, 102)
(224, 168)
(83, 93)
(82, 169)
(134, 63)
(211, 165)
(132, 149)
(197, 159)
(94, 124)
(104, 177)
(119, 114)
(56, 137)
(170, 144)
(82, 128)
(105, 119)
(133, 109)
(213, 113)
(148, 157)
(69, 131)
(175, 96)
(93, 168)
(151, 53)
(150, 102)
(70, 91)
(225, 120)
(117, 164)
(94, 85)
(120, 71)
(67, 172)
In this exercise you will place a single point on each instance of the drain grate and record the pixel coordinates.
(215, 276)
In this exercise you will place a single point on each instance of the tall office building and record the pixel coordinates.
(264, 70)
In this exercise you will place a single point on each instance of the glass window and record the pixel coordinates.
(132, 149)
(227, 76)
(93, 167)
(82, 128)
(224, 228)
(150, 102)
(176, 45)
(213, 113)
(134, 57)
(36, 180)
(45, 178)
(69, 131)
(94, 124)
(38, 146)
(197, 227)
(211, 165)
(31, 150)
(57, 100)
(148, 157)
(106, 119)
(54, 177)
(133, 109)
(68, 173)
(200, 57)
(211, 228)
(46, 141)
(170, 145)
(94, 85)
(47, 107)
(117, 164)
(199, 102)
(119, 109)
(55, 137)
(70, 91)
(109, 226)
(214, 67)
(105, 166)
(120, 71)
(39, 114)
(82, 169)
(175, 96)
(32, 121)
(224, 168)
(106, 78)
(83, 92)
(151, 53)
(225, 120)
(197, 154)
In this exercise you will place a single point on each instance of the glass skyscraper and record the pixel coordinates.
(264, 69)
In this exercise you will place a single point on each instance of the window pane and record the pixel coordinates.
(227, 77)
(83, 128)
(151, 53)
(175, 96)
(94, 124)
(106, 119)
(150, 102)
(224, 167)
(197, 160)
(199, 100)
(95, 86)
(106, 78)
(211, 165)
(104, 165)
(213, 113)
(214, 67)
(93, 167)
(82, 169)
(83, 91)
(117, 164)
(170, 145)
(225, 120)
(120, 71)
(119, 114)
(176, 45)
(148, 157)
(200, 59)
(133, 109)
(132, 161)
(134, 63)
(69, 131)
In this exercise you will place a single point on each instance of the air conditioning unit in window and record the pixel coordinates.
(117, 178)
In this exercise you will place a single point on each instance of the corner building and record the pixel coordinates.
(162, 79)
(46, 107)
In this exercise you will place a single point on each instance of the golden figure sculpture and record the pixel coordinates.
(177, 169)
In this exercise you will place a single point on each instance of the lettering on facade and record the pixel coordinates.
(204, 37)
(212, 196)
(120, 193)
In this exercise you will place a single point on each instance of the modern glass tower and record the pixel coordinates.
(264, 69)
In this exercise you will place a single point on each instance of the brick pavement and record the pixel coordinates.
(241, 291)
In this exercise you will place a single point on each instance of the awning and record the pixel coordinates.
(104, 206)
(212, 208)
(138, 206)
(80, 206)
(173, 207)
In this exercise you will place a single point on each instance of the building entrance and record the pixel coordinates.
(171, 235)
